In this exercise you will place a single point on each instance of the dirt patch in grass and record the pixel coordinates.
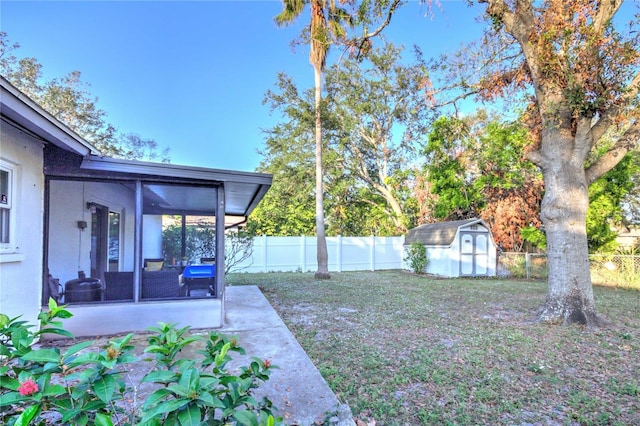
(403, 349)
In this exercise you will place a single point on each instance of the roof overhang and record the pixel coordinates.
(18, 109)
(243, 190)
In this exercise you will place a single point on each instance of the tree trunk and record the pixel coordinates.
(563, 212)
(322, 254)
(396, 208)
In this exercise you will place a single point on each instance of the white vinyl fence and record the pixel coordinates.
(291, 254)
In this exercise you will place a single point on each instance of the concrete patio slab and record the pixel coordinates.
(297, 389)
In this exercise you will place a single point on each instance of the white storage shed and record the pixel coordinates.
(461, 248)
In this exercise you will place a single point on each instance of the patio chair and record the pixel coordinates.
(118, 285)
(160, 284)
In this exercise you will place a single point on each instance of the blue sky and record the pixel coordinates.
(192, 75)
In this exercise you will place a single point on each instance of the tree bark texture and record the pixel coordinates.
(322, 255)
(563, 213)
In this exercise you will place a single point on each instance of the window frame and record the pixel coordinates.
(10, 246)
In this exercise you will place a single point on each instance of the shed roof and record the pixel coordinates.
(439, 234)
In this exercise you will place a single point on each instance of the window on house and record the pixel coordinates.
(6, 196)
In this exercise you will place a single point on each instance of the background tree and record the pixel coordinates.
(320, 36)
(605, 205)
(477, 169)
(583, 76)
(381, 112)
(352, 208)
(631, 201)
(69, 100)
(511, 187)
(327, 27)
(288, 207)
(450, 170)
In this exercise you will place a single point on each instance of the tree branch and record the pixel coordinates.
(628, 141)
(387, 21)
(609, 116)
(605, 11)
(361, 42)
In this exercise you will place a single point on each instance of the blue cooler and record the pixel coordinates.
(200, 277)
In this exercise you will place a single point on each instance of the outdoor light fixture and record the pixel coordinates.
(91, 207)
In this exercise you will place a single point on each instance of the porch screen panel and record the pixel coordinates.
(178, 230)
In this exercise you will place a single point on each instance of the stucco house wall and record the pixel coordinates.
(21, 267)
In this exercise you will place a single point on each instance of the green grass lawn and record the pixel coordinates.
(403, 349)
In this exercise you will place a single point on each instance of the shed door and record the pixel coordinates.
(474, 254)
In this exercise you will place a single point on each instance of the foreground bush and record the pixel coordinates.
(80, 387)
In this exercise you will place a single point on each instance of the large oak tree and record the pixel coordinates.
(583, 75)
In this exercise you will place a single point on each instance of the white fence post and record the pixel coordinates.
(372, 253)
(303, 253)
(339, 253)
(264, 254)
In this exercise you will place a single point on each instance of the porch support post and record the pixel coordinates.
(137, 244)
(220, 278)
(183, 236)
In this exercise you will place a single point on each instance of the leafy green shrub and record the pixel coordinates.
(46, 385)
(417, 258)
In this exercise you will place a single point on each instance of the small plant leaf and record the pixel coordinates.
(172, 405)
(180, 390)
(191, 416)
(102, 420)
(9, 383)
(56, 330)
(156, 397)
(86, 358)
(209, 400)
(53, 390)
(4, 320)
(104, 388)
(27, 415)
(246, 418)
(43, 355)
(10, 398)
(53, 305)
(160, 376)
(77, 348)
